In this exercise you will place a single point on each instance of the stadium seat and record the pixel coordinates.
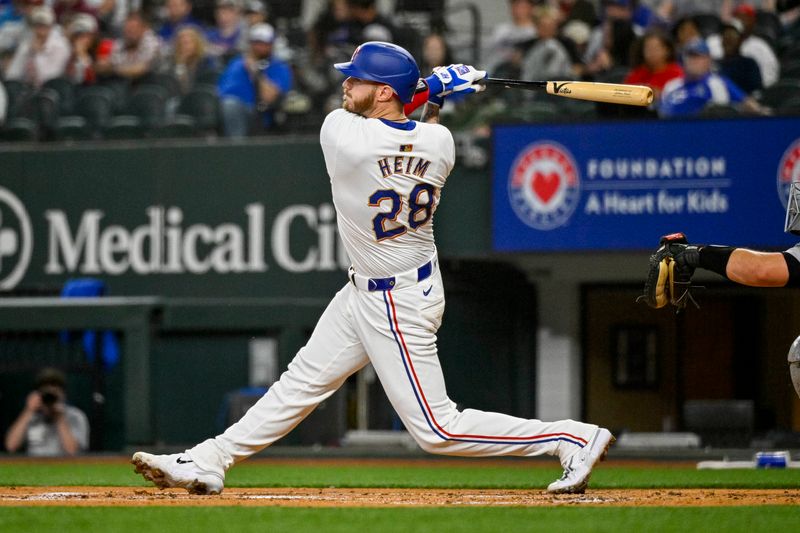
(790, 70)
(769, 26)
(42, 108)
(20, 129)
(720, 111)
(614, 75)
(708, 23)
(572, 108)
(177, 127)
(162, 79)
(148, 103)
(119, 90)
(202, 103)
(791, 52)
(536, 112)
(124, 127)
(790, 107)
(72, 128)
(67, 92)
(16, 92)
(207, 77)
(95, 104)
(777, 94)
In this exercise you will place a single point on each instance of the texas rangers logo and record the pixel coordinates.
(788, 171)
(544, 185)
(16, 240)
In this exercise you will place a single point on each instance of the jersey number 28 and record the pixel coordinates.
(420, 203)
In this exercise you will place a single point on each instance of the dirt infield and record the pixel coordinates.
(333, 497)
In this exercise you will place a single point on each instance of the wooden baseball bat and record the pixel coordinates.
(613, 93)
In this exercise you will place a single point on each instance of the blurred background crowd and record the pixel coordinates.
(126, 69)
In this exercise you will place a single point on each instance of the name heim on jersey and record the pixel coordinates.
(401, 164)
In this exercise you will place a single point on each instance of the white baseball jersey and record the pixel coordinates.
(398, 170)
(386, 179)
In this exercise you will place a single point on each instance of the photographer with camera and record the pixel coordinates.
(49, 426)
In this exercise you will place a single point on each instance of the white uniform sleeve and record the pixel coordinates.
(449, 151)
(329, 136)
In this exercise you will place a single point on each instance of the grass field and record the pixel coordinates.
(445, 474)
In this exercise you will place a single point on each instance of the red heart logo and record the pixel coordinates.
(545, 185)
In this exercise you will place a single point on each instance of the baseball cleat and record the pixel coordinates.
(578, 467)
(177, 470)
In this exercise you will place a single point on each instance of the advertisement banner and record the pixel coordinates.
(233, 221)
(620, 186)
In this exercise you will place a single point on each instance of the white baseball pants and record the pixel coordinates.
(395, 330)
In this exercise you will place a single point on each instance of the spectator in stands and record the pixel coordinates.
(189, 58)
(255, 12)
(110, 15)
(48, 426)
(654, 62)
(678, 9)
(611, 42)
(366, 24)
(756, 47)
(578, 33)
(435, 52)
(578, 10)
(13, 25)
(179, 13)
(548, 58)
(329, 37)
(43, 54)
(327, 43)
(82, 33)
(224, 39)
(66, 10)
(252, 85)
(701, 87)
(685, 32)
(743, 71)
(509, 37)
(133, 55)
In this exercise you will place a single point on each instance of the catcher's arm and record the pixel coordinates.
(671, 268)
(758, 269)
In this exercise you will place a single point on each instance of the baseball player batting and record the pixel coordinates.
(387, 174)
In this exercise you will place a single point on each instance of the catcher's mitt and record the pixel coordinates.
(669, 278)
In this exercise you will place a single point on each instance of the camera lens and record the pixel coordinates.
(49, 398)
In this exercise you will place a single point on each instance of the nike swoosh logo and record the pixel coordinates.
(180, 462)
(425, 293)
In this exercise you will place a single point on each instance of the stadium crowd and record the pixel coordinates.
(122, 69)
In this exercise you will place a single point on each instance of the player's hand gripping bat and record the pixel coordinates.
(613, 93)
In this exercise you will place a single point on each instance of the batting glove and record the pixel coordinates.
(456, 78)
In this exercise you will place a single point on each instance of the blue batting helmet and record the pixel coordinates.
(384, 63)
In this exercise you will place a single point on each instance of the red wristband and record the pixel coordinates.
(419, 99)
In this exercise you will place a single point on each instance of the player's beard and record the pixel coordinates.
(360, 106)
